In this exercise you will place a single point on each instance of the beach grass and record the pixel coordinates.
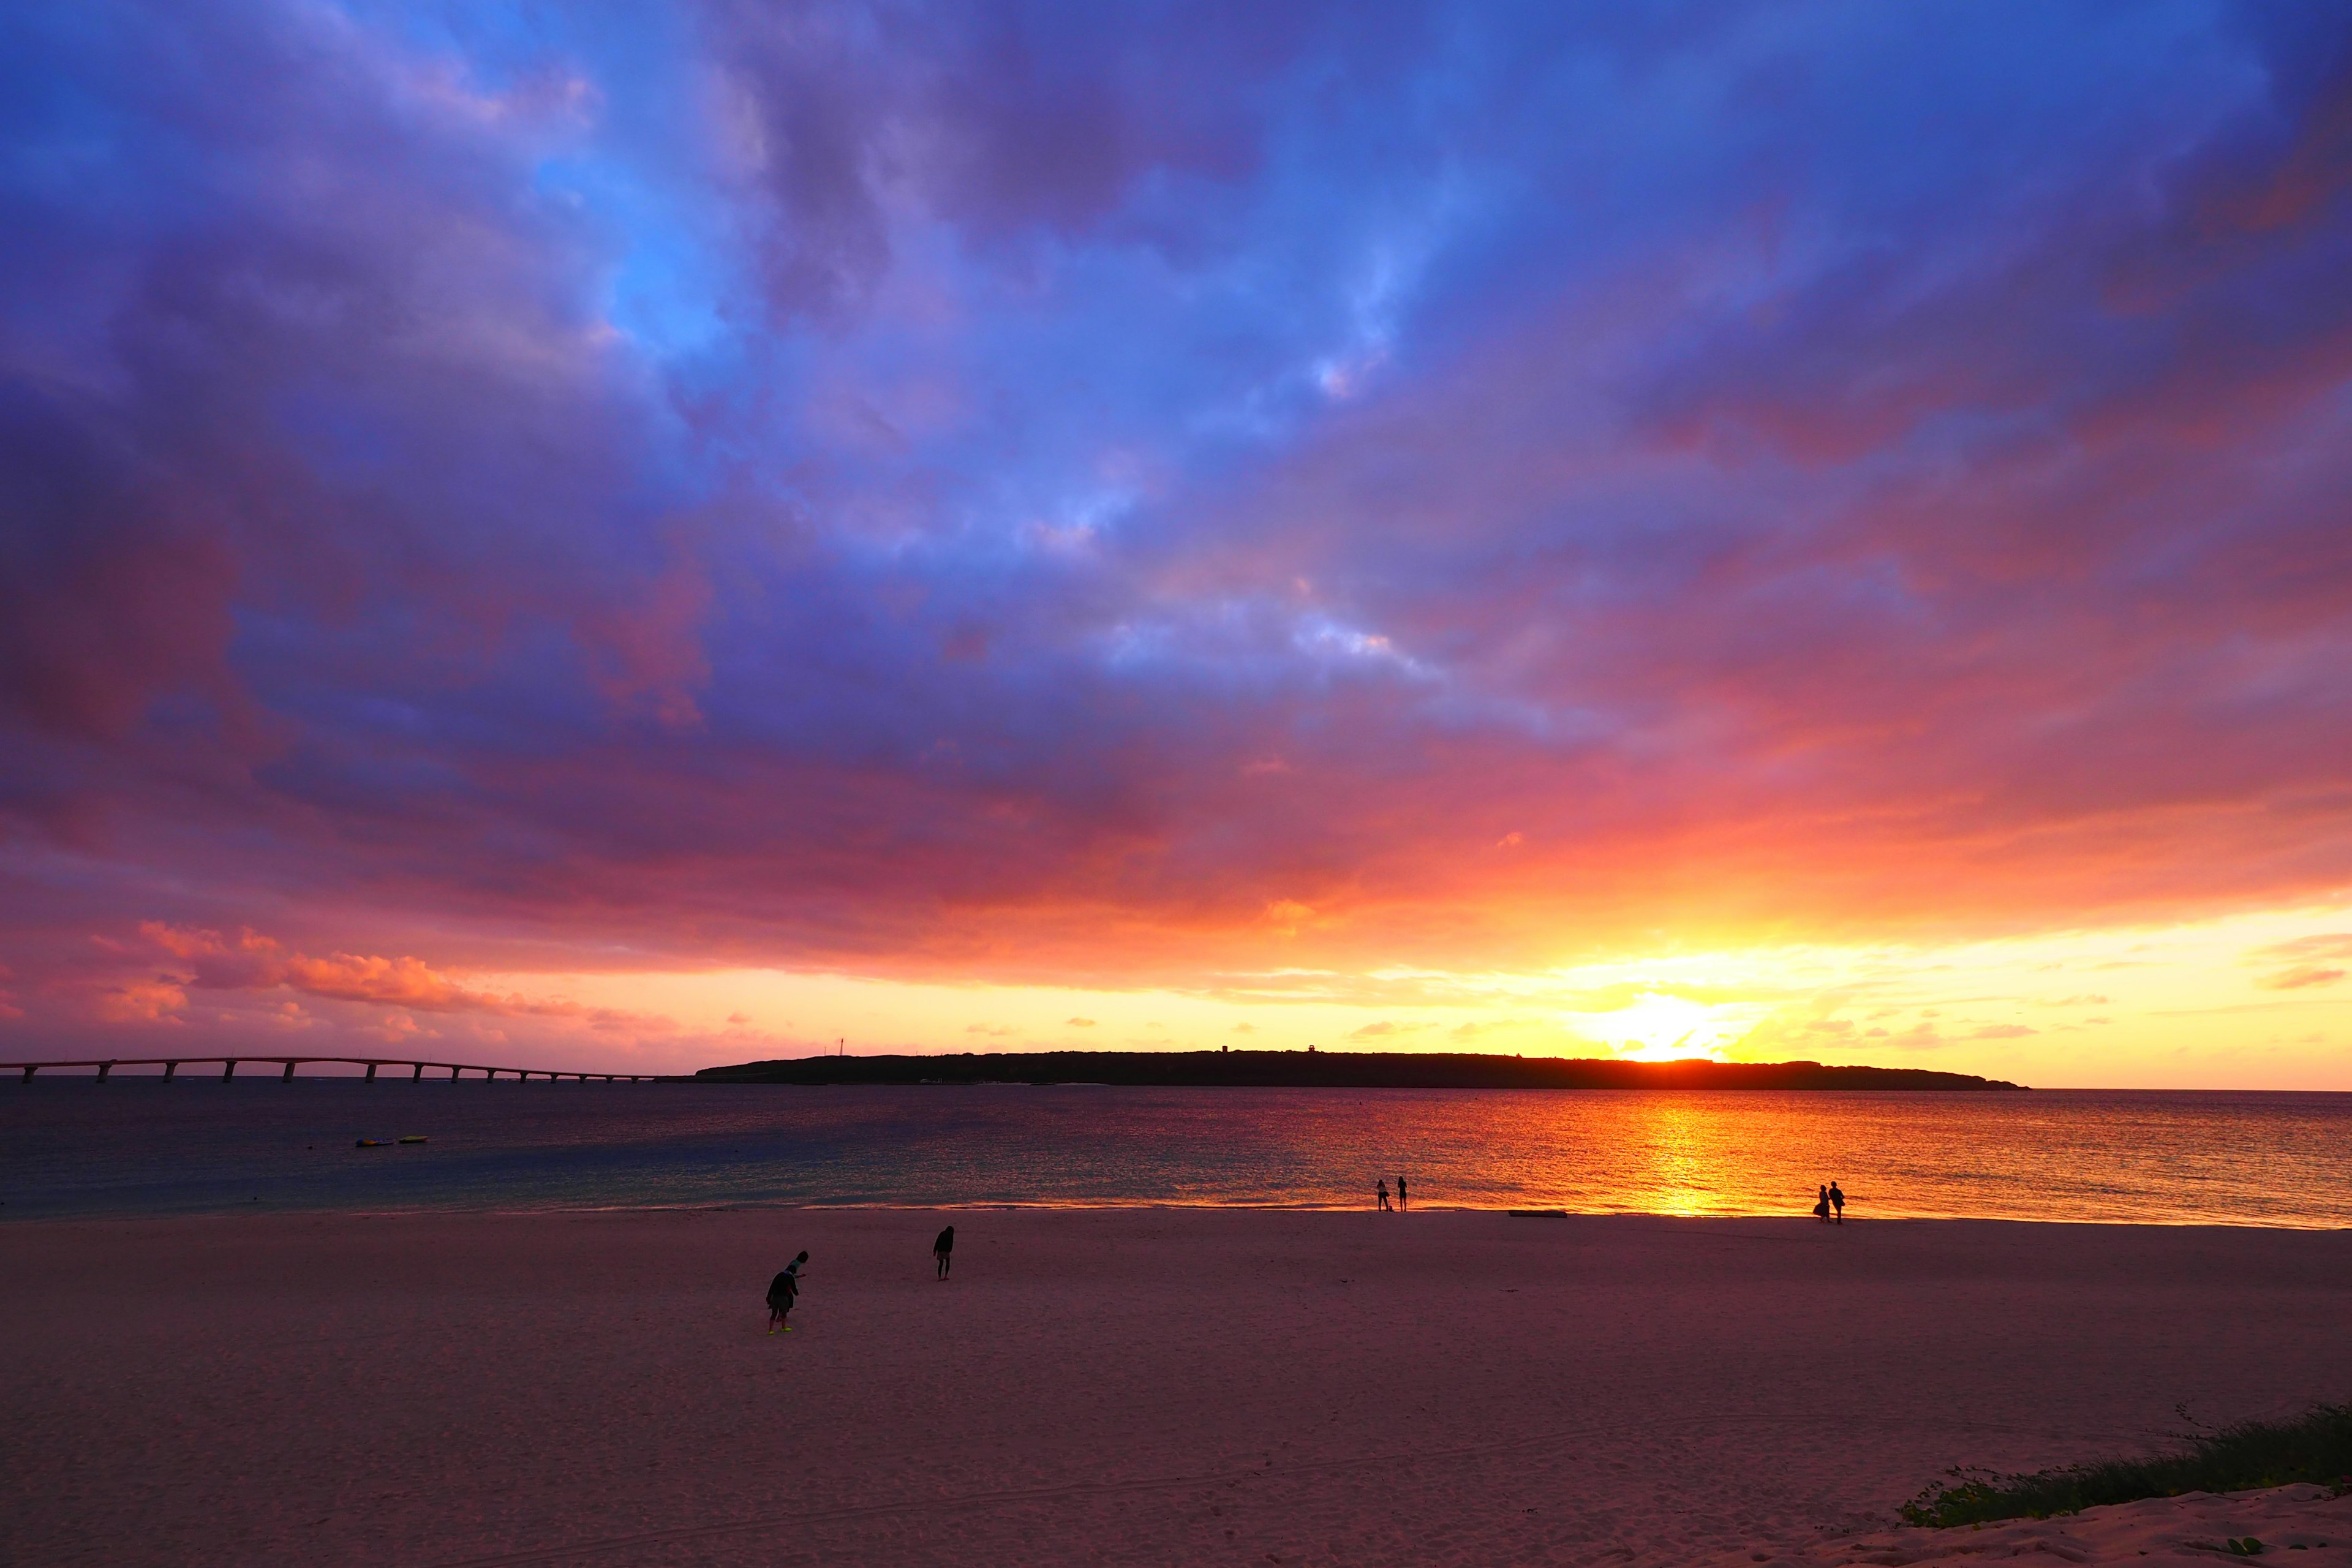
(2316, 1446)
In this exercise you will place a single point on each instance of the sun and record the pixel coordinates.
(1653, 1027)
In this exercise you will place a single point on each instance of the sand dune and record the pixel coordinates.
(1131, 1386)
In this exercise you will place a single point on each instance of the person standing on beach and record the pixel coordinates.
(1384, 1195)
(1821, 1207)
(943, 1252)
(782, 1291)
(1401, 1202)
(1837, 1200)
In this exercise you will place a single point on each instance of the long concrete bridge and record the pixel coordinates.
(228, 1065)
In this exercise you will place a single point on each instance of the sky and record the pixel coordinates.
(620, 536)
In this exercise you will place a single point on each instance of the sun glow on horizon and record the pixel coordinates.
(1659, 1026)
(2238, 999)
(2255, 1000)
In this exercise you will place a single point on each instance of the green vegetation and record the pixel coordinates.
(2316, 1446)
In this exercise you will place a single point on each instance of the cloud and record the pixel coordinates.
(250, 962)
(2299, 976)
(2302, 960)
(1288, 916)
(856, 489)
(254, 962)
(1079, 1022)
(153, 1002)
(2319, 945)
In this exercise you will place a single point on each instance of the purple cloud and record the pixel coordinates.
(1033, 491)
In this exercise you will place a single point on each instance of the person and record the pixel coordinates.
(1384, 1195)
(1837, 1200)
(782, 1291)
(1401, 1202)
(943, 1252)
(1821, 1208)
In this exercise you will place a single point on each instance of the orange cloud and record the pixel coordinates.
(252, 962)
(153, 1002)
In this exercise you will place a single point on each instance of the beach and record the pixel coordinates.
(1127, 1385)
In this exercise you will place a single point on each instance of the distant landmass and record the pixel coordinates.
(1332, 1069)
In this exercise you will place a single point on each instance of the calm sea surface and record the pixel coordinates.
(75, 1147)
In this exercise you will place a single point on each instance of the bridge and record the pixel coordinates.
(228, 1065)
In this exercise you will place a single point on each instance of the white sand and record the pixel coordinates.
(1122, 1386)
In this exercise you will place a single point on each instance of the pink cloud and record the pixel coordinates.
(152, 1001)
(2300, 977)
(251, 961)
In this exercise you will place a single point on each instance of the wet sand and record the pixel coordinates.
(1115, 1386)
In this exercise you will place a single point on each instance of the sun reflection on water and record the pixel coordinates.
(2171, 1158)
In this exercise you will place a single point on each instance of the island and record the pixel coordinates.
(1332, 1070)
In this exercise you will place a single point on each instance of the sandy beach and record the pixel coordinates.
(1119, 1386)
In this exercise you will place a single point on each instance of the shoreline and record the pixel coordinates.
(458, 1213)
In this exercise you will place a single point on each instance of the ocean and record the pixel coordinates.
(133, 1146)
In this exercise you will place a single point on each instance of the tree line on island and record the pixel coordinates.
(1312, 1068)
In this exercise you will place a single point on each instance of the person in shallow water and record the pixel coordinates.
(1384, 1195)
(782, 1291)
(1837, 1201)
(1821, 1208)
(943, 1252)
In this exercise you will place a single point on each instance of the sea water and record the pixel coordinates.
(134, 1146)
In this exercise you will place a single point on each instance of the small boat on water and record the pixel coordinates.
(414, 1138)
(368, 1143)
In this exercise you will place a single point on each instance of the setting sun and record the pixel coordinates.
(1654, 1028)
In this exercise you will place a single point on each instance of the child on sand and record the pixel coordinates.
(943, 1252)
(782, 1291)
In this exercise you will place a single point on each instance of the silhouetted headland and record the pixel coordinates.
(1332, 1070)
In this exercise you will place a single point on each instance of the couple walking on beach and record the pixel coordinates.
(1831, 1202)
(1384, 1197)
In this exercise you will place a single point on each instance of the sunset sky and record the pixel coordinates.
(630, 536)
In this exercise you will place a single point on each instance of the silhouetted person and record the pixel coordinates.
(943, 1252)
(782, 1291)
(1822, 1209)
(1837, 1200)
(1401, 1202)
(1384, 1195)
